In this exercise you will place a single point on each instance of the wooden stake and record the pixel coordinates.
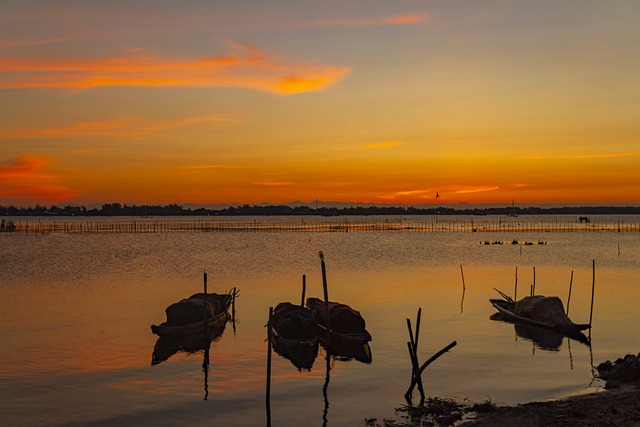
(304, 288)
(418, 318)
(569, 298)
(533, 289)
(593, 289)
(515, 291)
(269, 325)
(462, 273)
(206, 308)
(413, 353)
(326, 294)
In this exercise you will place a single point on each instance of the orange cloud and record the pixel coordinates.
(442, 192)
(586, 156)
(36, 42)
(248, 67)
(406, 19)
(383, 144)
(125, 126)
(273, 183)
(25, 181)
(392, 20)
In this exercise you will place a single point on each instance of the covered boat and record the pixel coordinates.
(347, 326)
(294, 334)
(187, 317)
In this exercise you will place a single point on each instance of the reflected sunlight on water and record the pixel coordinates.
(76, 311)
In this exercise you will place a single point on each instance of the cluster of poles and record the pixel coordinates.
(291, 224)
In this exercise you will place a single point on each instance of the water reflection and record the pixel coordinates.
(166, 347)
(294, 334)
(544, 339)
(192, 325)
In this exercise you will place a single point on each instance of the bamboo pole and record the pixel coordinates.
(326, 295)
(593, 288)
(569, 297)
(413, 353)
(515, 290)
(534, 282)
(207, 333)
(268, 395)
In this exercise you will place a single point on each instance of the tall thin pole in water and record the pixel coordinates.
(206, 308)
(515, 291)
(569, 298)
(326, 294)
(533, 288)
(304, 288)
(593, 289)
(268, 402)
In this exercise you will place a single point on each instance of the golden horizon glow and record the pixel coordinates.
(376, 103)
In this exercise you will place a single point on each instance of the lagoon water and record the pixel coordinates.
(76, 345)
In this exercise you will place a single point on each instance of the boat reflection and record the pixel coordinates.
(294, 334)
(167, 346)
(545, 339)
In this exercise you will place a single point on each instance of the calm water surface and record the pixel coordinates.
(76, 310)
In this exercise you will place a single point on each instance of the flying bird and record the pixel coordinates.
(437, 195)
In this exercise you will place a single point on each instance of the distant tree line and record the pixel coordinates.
(116, 209)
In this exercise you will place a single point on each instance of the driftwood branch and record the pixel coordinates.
(412, 345)
(416, 377)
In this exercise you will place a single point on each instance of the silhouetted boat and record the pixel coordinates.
(347, 326)
(540, 312)
(294, 334)
(186, 317)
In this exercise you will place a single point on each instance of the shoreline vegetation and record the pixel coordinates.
(117, 209)
(116, 218)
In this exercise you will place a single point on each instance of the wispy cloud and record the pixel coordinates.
(246, 67)
(443, 191)
(197, 168)
(382, 144)
(586, 156)
(24, 180)
(273, 183)
(123, 126)
(379, 21)
(38, 42)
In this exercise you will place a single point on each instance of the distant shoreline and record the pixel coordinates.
(116, 209)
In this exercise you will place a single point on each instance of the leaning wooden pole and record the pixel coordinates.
(593, 289)
(268, 398)
(304, 288)
(569, 297)
(412, 345)
(462, 274)
(515, 290)
(326, 294)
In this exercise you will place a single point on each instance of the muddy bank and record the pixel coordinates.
(617, 405)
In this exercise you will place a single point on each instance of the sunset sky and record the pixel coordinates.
(387, 102)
